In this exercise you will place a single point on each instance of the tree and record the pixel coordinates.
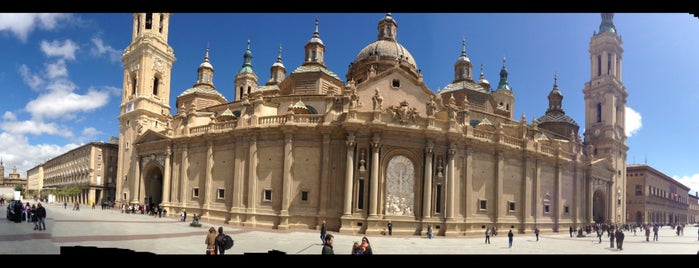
(73, 191)
(19, 187)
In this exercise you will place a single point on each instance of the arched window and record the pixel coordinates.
(133, 85)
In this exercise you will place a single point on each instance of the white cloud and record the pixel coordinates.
(22, 24)
(90, 133)
(633, 122)
(691, 181)
(34, 128)
(64, 103)
(15, 150)
(65, 50)
(10, 116)
(56, 70)
(32, 80)
(100, 49)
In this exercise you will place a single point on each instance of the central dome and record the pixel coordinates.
(386, 49)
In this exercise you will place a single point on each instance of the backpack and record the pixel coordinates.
(228, 242)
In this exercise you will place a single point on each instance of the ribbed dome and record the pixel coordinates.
(386, 48)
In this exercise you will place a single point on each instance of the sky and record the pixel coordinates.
(61, 74)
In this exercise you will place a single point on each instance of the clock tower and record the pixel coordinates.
(145, 97)
(605, 104)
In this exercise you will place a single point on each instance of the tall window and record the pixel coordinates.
(599, 65)
(599, 112)
(609, 63)
(438, 201)
(160, 25)
(155, 86)
(149, 20)
(360, 193)
(133, 85)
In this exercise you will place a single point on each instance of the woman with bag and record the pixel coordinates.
(211, 241)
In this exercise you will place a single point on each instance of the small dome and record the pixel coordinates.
(206, 64)
(203, 90)
(386, 48)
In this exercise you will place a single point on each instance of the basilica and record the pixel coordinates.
(305, 146)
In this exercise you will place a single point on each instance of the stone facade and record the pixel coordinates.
(308, 147)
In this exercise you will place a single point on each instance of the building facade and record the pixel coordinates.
(13, 179)
(693, 214)
(654, 197)
(91, 167)
(307, 146)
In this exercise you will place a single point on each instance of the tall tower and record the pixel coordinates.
(145, 99)
(605, 103)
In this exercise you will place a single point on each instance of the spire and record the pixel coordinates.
(607, 25)
(387, 29)
(555, 97)
(316, 35)
(482, 79)
(247, 60)
(463, 56)
(206, 62)
(504, 84)
(279, 57)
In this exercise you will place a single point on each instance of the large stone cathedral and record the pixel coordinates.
(305, 147)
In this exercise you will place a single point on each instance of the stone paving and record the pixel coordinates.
(169, 236)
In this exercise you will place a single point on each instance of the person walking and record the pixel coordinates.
(390, 227)
(328, 245)
(570, 230)
(611, 238)
(210, 241)
(655, 232)
(647, 230)
(429, 231)
(41, 217)
(536, 232)
(510, 237)
(219, 246)
(619, 239)
(323, 232)
(487, 235)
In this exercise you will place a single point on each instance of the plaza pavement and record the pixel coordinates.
(169, 236)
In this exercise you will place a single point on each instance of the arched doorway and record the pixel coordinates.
(153, 185)
(639, 217)
(599, 207)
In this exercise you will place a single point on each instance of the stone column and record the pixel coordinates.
(427, 191)
(557, 197)
(349, 175)
(374, 194)
(208, 181)
(137, 178)
(499, 185)
(184, 181)
(253, 195)
(470, 207)
(287, 175)
(450, 181)
(167, 174)
(324, 177)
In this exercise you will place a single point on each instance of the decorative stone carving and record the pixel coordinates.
(400, 178)
(403, 113)
(431, 106)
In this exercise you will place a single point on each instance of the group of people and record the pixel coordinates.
(214, 241)
(31, 213)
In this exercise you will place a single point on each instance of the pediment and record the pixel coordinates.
(150, 136)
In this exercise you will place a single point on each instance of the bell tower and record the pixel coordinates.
(605, 104)
(145, 99)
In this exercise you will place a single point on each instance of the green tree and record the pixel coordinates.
(73, 191)
(19, 187)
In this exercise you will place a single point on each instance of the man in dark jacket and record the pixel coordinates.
(41, 216)
(619, 239)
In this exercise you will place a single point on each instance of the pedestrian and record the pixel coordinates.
(390, 227)
(570, 230)
(356, 249)
(536, 232)
(220, 247)
(655, 232)
(184, 215)
(210, 241)
(41, 217)
(619, 239)
(429, 231)
(328, 245)
(65, 205)
(599, 236)
(647, 229)
(366, 247)
(510, 237)
(487, 235)
(323, 232)
(611, 238)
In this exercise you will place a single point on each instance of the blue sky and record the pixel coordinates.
(61, 74)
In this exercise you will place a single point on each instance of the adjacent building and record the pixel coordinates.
(305, 146)
(653, 197)
(90, 167)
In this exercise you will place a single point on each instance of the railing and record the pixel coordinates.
(482, 134)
